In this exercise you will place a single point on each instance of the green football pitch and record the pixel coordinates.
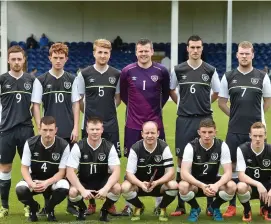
(16, 212)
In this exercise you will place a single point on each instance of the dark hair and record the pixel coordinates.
(15, 49)
(144, 41)
(94, 120)
(47, 120)
(207, 123)
(194, 38)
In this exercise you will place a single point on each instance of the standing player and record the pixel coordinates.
(99, 86)
(93, 157)
(249, 90)
(57, 91)
(195, 79)
(144, 88)
(16, 125)
(254, 172)
(46, 155)
(200, 166)
(150, 172)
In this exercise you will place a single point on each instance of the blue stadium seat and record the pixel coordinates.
(12, 43)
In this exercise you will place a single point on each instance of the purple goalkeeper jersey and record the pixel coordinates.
(145, 92)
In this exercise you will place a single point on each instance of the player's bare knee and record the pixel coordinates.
(73, 192)
(126, 187)
(116, 189)
(242, 188)
(172, 185)
(5, 168)
(183, 187)
(231, 187)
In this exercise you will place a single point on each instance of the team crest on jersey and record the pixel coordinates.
(205, 77)
(101, 156)
(254, 81)
(154, 78)
(27, 85)
(266, 162)
(67, 85)
(112, 80)
(157, 158)
(55, 156)
(214, 156)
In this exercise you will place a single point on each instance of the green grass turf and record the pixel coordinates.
(16, 214)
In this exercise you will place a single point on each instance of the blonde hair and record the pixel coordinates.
(102, 43)
(59, 48)
(258, 125)
(246, 44)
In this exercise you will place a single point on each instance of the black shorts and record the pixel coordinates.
(255, 193)
(9, 140)
(186, 131)
(95, 184)
(112, 137)
(234, 140)
(156, 192)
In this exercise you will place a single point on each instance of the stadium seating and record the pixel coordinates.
(80, 55)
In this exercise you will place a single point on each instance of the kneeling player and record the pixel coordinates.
(93, 157)
(254, 172)
(149, 172)
(46, 155)
(199, 170)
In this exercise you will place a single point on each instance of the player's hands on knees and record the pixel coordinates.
(74, 135)
(262, 192)
(207, 191)
(87, 194)
(145, 186)
(40, 185)
(152, 185)
(102, 193)
(213, 188)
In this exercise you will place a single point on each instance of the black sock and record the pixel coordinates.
(193, 203)
(81, 204)
(247, 207)
(26, 197)
(268, 209)
(136, 202)
(92, 201)
(4, 191)
(233, 201)
(58, 196)
(217, 202)
(167, 199)
(209, 201)
(108, 203)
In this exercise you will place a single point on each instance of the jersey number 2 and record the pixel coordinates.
(206, 168)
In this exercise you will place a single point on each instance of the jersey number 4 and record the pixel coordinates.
(44, 167)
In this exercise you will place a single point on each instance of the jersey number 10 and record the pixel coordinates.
(59, 98)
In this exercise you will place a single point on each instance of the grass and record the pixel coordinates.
(16, 208)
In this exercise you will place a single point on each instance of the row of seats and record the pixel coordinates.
(80, 55)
